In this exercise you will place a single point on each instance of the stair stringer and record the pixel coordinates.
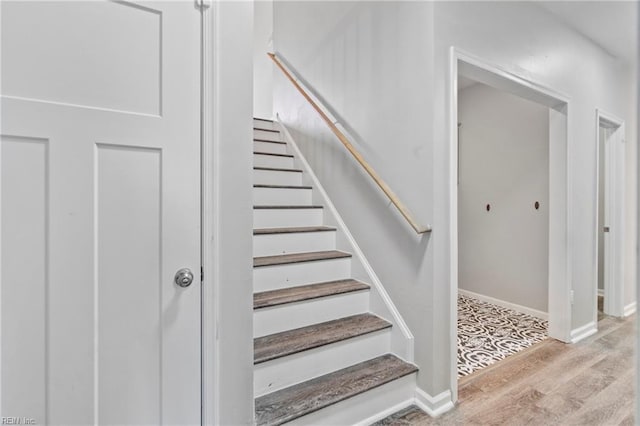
(380, 303)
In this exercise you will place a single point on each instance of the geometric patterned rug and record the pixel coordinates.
(488, 333)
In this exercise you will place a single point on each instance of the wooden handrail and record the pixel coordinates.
(404, 211)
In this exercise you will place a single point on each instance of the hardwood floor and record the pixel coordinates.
(551, 383)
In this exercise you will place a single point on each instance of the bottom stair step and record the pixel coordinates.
(412, 415)
(296, 401)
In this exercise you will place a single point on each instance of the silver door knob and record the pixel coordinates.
(184, 277)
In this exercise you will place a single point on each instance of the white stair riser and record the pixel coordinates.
(280, 373)
(357, 409)
(271, 244)
(261, 160)
(263, 124)
(264, 134)
(281, 276)
(276, 177)
(274, 148)
(278, 218)
(301, 314)
(281, 196)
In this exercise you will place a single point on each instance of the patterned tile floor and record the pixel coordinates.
(488, 333)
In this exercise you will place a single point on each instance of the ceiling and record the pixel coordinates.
(613, 25)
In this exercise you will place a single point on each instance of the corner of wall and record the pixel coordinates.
(581, 333)
(229, 400)
(434, 405)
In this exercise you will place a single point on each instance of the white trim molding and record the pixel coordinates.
(560, 195)
(583, 332)
(630, 309)
(386, 413)
(434, 405)
(513, 306)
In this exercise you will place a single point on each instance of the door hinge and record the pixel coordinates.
(203, 4)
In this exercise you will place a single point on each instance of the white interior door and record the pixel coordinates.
(606, 221)
(100, 206)
(613, 222)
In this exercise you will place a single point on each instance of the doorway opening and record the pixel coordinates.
(610, 216)
(558, 254)
(503, 224)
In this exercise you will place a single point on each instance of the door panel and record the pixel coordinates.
(99, 207)
(128, 317)
(52, 58)
(24, 269)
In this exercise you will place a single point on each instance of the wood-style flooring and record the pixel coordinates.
(552, 383)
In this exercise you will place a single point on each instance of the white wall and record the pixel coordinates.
(504, 162)
(262, 65)
(230, 240)
(382, 67)
(355, 56)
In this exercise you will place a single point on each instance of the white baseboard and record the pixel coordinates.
(583, 332)
(434, 405)
(630, 309)
(386, 413)
(518, 308)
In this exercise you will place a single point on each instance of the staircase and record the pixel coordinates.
(320, 355)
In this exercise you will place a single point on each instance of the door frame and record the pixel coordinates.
(560, 190)
(208, 291)
(615, 168)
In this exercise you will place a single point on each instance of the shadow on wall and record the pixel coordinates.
(353, 135)
(388, 226)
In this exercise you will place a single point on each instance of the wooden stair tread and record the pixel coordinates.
(277, 169)
(285, 207)
(283, 296)
(296, 401)
(263, 119)
(283, 259)
(266, 130)
(269, 141)
(290, 342)
(292, 230)
(283, 186)
(272, 154)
